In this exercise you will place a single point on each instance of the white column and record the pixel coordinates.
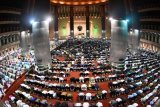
(41, 42)
(7, 37)
(119, 40)
(0, 41)
(14, 38)
(23, 41)
(134, 40)
(152, 37)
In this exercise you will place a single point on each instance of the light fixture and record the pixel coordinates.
(127, 20)
(32, 21)
(111, 19)
(49, 19)
(131, 32)
(23, 32)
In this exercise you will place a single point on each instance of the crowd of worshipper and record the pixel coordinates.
(133, 82)
(11, 67)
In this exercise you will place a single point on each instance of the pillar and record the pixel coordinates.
(5, 40)
(156, 38)
(103, 21)
(11, 39)
(24, 41)
(87, 22)
(55, 19)
(41, 42)
(119, 40)
(0, 41)
(148, 37)
(134, 40)
(14, 37)
(108, 29)
(145, 36)
(71, 22)
(40, 32)
(7, 37)
(152, 37)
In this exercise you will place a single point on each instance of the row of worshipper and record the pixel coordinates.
(19, 103)
(91, 47)
(87, 104)
(21, 98)
(87, 79)
(12, 73)
(47, 93)
(140, 58)
(116, 76)
(97, 45)
(91, 68)
(47, 78)
(86, 64)
(92, 96)
(78, 104)
(11, 68)
(82, 68)
(54, 73)
(61, 62)
(69, 43)
(146, 91)
(137, 63)
(137, 77)
(49, 73)
(101, 72)
(132, 97)
(117, 83)
(120, 102)
(64, 86)
(117, 92)
(7, 77)
(154, 93)
(64, 95)
(84, 73)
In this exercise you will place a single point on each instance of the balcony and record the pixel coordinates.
(150, 30)
(9, 33)
(10, 10)
(150, 42)
(9, 22)
(147, 8)
(150, 20)
(9, 45)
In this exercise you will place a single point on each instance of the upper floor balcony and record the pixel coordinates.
(151, 7)
(9, 22)
(10, 10)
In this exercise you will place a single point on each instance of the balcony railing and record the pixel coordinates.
(9, 45)
(150, 42)
(9, 33)
(150, 19)
(9, 22)
(150, 7)
(10, 12)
